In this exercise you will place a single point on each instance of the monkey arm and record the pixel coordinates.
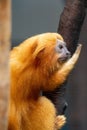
(62, 74)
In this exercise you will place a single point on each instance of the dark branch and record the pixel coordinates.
(70, 24)
(71, 21)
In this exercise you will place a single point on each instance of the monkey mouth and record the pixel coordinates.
(63, 59)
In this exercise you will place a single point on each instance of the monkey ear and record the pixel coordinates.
(38, 52)
(38, 56)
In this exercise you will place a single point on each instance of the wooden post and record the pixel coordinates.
(5, 33)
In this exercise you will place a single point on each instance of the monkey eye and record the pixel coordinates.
(60, 46)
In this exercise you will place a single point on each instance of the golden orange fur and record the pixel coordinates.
(34, 67)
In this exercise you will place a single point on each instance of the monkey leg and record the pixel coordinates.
(43, 117)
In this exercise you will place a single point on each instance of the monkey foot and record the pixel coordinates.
(60, 121)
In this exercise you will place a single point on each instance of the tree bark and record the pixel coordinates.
(70, 24)
(5, 33)
(71, 21)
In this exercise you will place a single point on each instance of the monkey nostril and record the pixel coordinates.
(68, 53)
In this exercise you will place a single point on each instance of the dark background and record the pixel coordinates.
(30, 17)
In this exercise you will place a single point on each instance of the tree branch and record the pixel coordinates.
(71, 21)
(70, 24)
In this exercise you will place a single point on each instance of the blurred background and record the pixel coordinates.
(30, 17)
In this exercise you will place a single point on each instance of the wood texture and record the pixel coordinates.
(71, 21)
(5, 32)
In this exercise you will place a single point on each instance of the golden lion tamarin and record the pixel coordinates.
(39, 63)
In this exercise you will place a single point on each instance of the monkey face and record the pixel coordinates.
(50, 52)
(63, 52)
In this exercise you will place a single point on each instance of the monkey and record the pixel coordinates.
(41, 62)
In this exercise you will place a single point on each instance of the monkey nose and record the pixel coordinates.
(68, 53)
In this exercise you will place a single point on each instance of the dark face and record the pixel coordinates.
(63, 52)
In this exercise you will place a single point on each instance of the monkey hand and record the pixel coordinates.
(69, 65)
(75, 56)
